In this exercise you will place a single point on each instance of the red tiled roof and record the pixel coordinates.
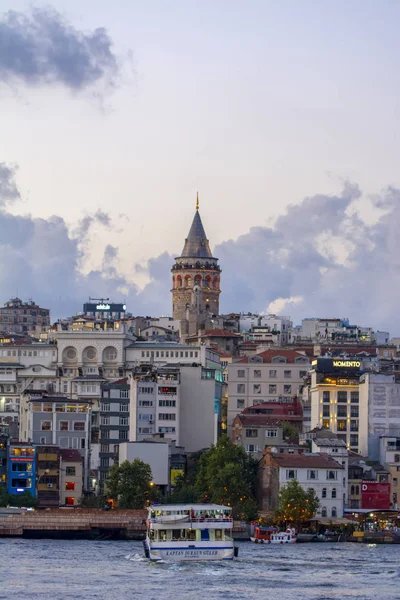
(265, 420)
(71, 455)
(278, 408)
(305, 461)
(268, 355)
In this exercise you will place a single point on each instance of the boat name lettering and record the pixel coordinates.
(191, 552)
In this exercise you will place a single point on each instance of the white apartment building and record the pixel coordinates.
(264, 377)
(183, 404)
(154, 404)
(379, 411)
(327, 443)
(335, 400)
(317, 471)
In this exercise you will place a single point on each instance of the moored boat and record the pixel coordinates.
(189, 532)
(270, 535)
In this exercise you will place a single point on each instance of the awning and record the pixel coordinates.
(333, 520)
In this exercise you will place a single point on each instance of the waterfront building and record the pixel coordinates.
(55, 419)
(195, 281)
(21, 476)
(48, 476)
(71, 477)
(114, 423)
(21, 317)
(4, 438)
(318, 471)
(265, 377)
(335, 400)
(355, 478)
(324, 441)
(389, 457)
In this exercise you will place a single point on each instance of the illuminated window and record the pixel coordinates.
(46, 425)
(69, 501)
(70, 486)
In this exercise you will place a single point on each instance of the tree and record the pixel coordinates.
(289, 431)
(130, 485)
(93, 501)
(227, 475)
(25, 499)
(296, 505)
(184, 492)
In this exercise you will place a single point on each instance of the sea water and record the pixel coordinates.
(67, 569)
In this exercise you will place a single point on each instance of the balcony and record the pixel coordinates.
(47, 487)
(47, 472)
(8, 377)
(166, 391)
(47, 457)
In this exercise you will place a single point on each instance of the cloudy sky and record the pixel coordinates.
(283, 115)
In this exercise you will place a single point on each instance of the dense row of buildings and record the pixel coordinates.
(319, 403)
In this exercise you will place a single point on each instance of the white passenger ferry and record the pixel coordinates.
(189, 532)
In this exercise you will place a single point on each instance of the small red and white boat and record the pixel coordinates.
(270, 535)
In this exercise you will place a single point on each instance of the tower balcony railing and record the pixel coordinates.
(203, 267)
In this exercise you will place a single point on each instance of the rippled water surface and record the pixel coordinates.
(61, 570)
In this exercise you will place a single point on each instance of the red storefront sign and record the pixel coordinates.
(374, 495)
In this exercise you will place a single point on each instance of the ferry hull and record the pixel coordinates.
(157, 553)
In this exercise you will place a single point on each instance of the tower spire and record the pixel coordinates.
(197, 201)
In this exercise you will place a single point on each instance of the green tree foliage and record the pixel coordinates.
(296, 505)
(289, 431)
(93, 501)
(129, 484)
(25, 499)
(227, 475)
(184, 492)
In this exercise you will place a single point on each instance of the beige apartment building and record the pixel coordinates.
(335, 400)
(265, 377)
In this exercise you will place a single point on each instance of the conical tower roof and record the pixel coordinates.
(196, 243)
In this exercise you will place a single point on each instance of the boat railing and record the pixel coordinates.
(193, 520)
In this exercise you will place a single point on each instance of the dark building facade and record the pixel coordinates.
(48, 476)
(17, 316)
(114, 423)
(103, 309)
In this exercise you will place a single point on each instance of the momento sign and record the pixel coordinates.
(327, 365)
(352, 364)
